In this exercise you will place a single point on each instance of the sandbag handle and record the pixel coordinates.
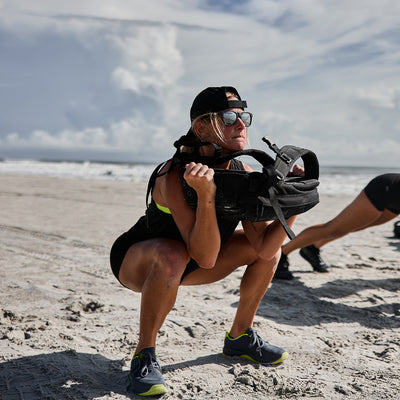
(284, 157)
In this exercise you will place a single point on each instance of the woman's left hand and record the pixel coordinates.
(297, 171)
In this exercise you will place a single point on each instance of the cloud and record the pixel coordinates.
(117, 76)
(128, 137)
(381, 97)
(151, 60)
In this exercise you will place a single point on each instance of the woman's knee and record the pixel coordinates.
(170, 260)
(163, 259)
(267, 264)
(276, 257)
(272, 262)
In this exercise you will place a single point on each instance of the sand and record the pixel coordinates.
(68, 329)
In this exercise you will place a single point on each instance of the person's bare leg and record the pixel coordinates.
(255, 281)
(254, 284)
(384, 217)
(154, 268)
(358, 215)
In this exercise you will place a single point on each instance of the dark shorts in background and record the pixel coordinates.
(384, 192)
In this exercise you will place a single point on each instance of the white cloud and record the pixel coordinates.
(132, 137)
(151, 60)
(115, 76)
(66, 139)
(381, 97)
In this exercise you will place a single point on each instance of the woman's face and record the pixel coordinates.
(234, 137)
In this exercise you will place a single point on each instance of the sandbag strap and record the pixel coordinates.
(288, 155)
(152, 180)
(285, 159)
(259, 155)
(311, 165)
(278, 211)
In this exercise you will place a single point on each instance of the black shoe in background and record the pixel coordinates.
(311, 254)
(282, 271)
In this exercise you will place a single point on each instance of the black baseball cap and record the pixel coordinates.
(213, 99)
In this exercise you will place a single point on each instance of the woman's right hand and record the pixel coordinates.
(201, 178)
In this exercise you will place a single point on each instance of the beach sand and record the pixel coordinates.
(68, 329)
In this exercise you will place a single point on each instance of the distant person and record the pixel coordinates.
(175, 245)
(378, 202)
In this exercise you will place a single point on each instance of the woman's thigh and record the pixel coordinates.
(162, 256)
(236, 252)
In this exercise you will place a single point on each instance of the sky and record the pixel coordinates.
(114, 80)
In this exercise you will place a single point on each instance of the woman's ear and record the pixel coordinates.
(200, 127)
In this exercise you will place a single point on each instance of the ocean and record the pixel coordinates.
(333, 179)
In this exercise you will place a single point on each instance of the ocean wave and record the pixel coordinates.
(333, 179)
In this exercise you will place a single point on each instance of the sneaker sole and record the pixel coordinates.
(154, 391)
(283, 357)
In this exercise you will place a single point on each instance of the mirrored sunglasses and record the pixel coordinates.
(230, 118)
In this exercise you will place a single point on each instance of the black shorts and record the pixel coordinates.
(126, 240)
(384, 192)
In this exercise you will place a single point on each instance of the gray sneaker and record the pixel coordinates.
(145, 374)
(253, 348)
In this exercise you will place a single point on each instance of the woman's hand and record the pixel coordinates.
(297, 171)
(201, 234)
(201, 178)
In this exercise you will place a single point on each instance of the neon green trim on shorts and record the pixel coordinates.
(163, 209)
